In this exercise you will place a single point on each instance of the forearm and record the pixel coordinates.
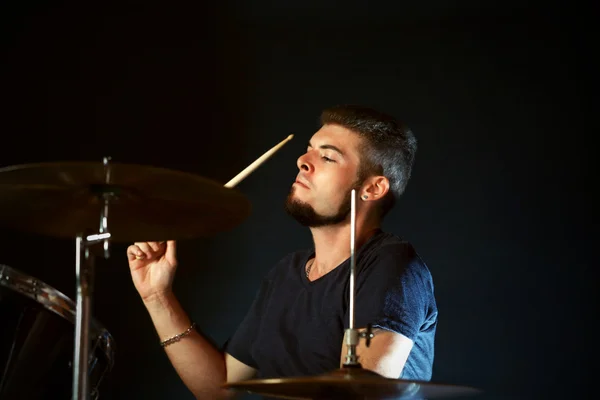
(200, 365)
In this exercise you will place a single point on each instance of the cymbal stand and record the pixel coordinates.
(84, 284)
(352, 335)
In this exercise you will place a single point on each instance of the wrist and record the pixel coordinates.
(178, 337)
(162, 299)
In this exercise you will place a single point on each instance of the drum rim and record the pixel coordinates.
(15, 279)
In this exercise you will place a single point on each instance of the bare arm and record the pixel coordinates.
(202, 367)
(386, 355)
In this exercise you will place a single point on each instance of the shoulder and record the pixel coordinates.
(387, 245)
(392, 254)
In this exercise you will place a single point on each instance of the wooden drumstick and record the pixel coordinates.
(248, 170)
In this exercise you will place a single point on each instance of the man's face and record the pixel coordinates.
(328, 172)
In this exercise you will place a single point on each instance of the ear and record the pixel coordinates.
(375, 188)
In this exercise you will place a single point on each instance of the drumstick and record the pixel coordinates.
(248, 170)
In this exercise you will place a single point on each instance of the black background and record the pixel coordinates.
(500, 204)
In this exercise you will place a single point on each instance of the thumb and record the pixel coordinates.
(171, 252)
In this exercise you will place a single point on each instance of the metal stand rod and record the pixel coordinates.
(104, 213)
(352, 336)
(84, 272)
(352, 255)
(84, 280)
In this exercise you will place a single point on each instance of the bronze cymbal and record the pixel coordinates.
(146, 203)
(349, 383)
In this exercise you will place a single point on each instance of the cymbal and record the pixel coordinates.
(349, 383)
(146, 203)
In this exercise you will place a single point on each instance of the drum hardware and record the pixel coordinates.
(352, 335)
(145, 203)
(140, 203)
(37, 341)
(32, 287)
(127, 202)
(84, 273)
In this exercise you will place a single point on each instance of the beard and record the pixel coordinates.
(306, 215)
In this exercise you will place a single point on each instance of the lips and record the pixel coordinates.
(301, 184)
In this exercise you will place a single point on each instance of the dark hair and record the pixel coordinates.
(389, 146)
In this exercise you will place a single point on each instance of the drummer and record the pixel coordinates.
(296, 324)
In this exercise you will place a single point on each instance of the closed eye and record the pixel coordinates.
(327, 159)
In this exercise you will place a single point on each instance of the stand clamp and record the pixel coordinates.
(351, 338)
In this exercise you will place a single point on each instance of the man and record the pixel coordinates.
(296, 323)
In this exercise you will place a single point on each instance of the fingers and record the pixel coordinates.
(146, 250)
(134, 252)
(171, 252)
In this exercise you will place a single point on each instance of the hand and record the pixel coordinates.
(152, 266)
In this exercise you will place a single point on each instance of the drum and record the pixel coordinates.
(37, 335)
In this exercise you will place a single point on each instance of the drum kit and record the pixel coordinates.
(52, 347)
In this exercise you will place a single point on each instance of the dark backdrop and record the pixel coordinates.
(499, 206)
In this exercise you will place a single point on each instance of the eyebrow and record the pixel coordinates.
(330, 147)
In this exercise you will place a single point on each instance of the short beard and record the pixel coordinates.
(305, 214)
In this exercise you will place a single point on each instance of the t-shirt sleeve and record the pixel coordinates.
(393, 291)
(240, 344)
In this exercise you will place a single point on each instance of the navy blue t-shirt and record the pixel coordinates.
(295, 327)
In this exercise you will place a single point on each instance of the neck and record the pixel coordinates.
(332, 243)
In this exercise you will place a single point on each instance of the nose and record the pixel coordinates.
(304, 163)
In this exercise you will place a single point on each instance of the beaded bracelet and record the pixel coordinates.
(177, 338)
